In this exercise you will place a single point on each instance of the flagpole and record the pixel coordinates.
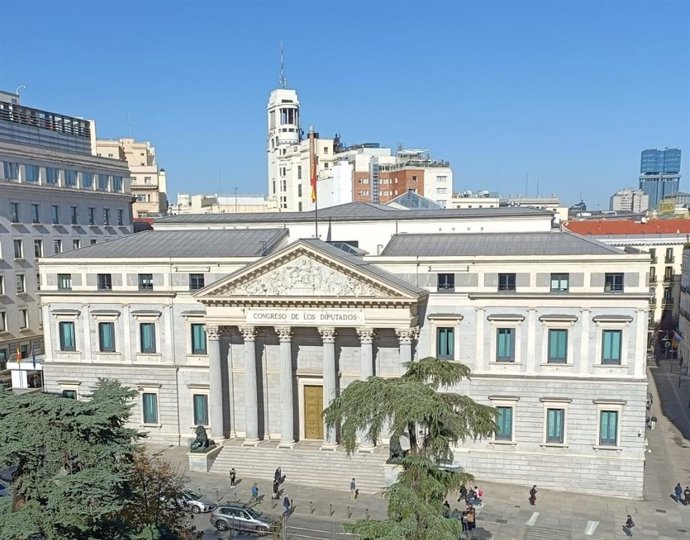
(313, 179)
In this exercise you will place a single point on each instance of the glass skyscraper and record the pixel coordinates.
(659, 174)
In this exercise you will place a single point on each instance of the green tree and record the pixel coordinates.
(416, 404)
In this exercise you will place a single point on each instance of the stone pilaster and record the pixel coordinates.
(287, 419)
(251, 394)
(215, 382)
(329, 380)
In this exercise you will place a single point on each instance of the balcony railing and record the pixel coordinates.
(668, 279)
(652, 278)
(669, 259)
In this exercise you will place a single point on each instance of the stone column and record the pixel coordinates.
(287, 419)
(329, 380)
(215, 382)
(231, 388)
(366, 339)
(251, 395)
(405, 337)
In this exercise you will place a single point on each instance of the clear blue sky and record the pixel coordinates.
(568, 92)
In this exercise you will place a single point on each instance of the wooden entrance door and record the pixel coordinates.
(313, 407)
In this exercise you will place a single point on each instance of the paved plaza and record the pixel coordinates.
(506, 513)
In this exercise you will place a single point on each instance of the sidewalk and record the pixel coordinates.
(506, 513)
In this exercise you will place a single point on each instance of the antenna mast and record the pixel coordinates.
(282, 80)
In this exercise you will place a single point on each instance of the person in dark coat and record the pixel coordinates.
(686, 495)
(286, 505)
(533, 495)
(678, 490)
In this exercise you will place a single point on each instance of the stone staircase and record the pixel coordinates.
(305, 464)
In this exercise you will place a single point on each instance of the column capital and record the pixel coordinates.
(327, 334)
(407, 335)
(248, 333)
(366, 335)
(213, 332)
(284, 333)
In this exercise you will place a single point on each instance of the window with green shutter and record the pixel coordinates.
(505, 345)
(445, 343)
(608, 428)
(555, 425)
(611, 347)
(558, 346)
(504, 423)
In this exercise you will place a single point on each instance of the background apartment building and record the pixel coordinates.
(659, 174)
(362, 173)
(148, 181)
(629, 200)
(55, 196)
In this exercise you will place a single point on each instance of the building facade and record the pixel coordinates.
(238, 203)
(148, 182)
(55, 196)
(253, 331)
(660, 174)
(682, 336)
(629, 200)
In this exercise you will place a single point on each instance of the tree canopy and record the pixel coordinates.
(420, 406)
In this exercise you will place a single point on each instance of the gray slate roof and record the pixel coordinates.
(184, 244)
(355, 211)
(495, 244)
(348, 259)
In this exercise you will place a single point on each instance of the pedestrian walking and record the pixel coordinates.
(278, 475)
(446, 509)
(471, 519)
(678, 490)
(286, 506)
(533, 495)
(463, 493)
(276, 490)
(628, 527)
(233, 477)
(255, 492)
(686, 496)
(353, 489)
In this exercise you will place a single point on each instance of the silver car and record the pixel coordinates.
(196, 502)
(240, 517)
(5, 489)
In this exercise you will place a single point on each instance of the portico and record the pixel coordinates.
(297, 328)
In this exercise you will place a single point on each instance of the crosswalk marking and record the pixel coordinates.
(591, 527)
(531, 521)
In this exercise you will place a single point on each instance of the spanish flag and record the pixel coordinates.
(313, 160)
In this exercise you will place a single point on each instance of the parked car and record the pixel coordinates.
(196, 502)
(244, 518)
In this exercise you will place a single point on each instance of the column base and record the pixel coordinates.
(366, 449)
(250, 442)
(286, 444)
(328, 446)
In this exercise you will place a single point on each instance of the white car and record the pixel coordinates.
(196, 502)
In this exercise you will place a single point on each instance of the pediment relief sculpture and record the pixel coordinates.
(304, 276)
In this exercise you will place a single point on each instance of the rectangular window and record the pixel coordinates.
(120, 217)
(76, 243)
(608, 428)
(117, 184)
(103, 182)
(64, 282)
(145, 282)
(67, 341)
(613, 283)
(611, 347)
(200, 409)
(31, 173)
(14, 212)
(70, 178)
(35, 213)
(69, 394)
(18, 249)
(38, 248)
(198, 339)
(445, 282)
(506, 282)
(2, 284)
(21, 283)
(445, 343)
(3, 325)
(555, 425)
(55, 214)
(504, 423)
(147, 337)
(196, 281)
(23, 318)
(87, 180)
(106, 336)
(299, 172)
(149, 404)
(92, 215)
(106, 216)
(94, 241)
(74, 215)
(669, 256)
(105, 282)
(11, 170)
(558, 346)
(57, 245)
(505, 345)
(559, 283)
(52, 175)
(652, 254)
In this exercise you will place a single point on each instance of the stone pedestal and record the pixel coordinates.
(202, 461)
(390, 473)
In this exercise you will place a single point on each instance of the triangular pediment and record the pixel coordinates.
(305, 270)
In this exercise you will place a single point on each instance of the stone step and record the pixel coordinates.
(305, 464)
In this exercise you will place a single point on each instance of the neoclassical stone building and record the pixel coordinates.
(252, 332)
